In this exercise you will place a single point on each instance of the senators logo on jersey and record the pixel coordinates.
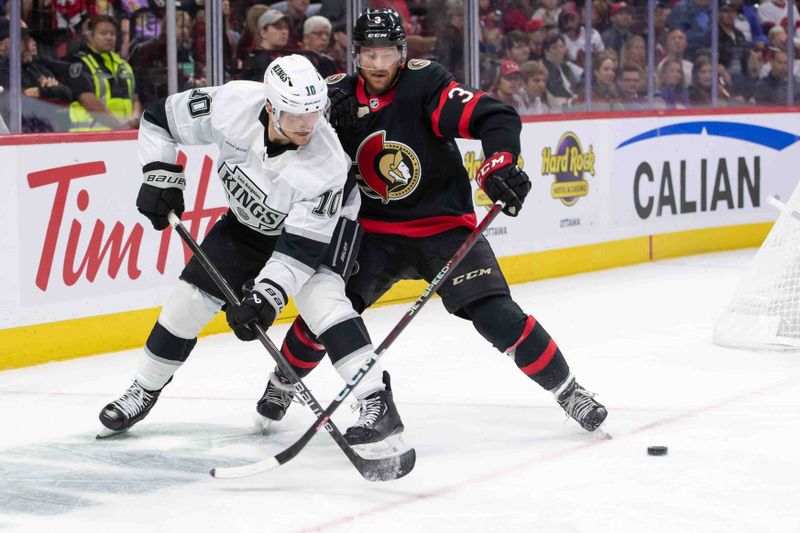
(387, 170)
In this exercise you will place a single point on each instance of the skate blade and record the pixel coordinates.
(391, 446)
(602, 432)
(105, 433)
(263, 423)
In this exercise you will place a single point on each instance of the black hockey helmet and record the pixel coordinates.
(380, 27)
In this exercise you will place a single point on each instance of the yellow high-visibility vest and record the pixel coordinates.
(121, 107)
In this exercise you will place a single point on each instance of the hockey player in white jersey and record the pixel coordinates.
(286, 179)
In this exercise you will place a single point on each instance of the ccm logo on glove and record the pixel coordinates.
(504, 182)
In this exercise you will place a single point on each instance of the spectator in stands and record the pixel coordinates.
(251, 35)
(569, 24)
(40, 88)
(508, 82)
(748, 23)
(734, 50)
(600, 16)
(336, 12)
(69, 18)
(317, 34)
(296, 17)
(776, 40)
(629, 83)
(449, 42)
(670, 87)
(693, 17)
(317, 40)
(149, 62)
(676, 48)
(772, 12)
(532, 97)
(102, 83)
(548, 12)
(536, 34)
(561, 81)
(702, 78)
(634, 54)
(772, 89)
(660, 16)
(274, 29)
(604, 87)
(515, 47)
(619, 32)
(138, 22)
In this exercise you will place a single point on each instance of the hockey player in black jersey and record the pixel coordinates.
(397, 120)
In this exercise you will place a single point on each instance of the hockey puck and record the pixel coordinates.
(656, 450)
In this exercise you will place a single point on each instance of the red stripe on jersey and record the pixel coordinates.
(466, 116)
(437, 113)
(374, 103)
(543, 360)
(529, 324)
(302, 337)
(294, 361)
(422, 227)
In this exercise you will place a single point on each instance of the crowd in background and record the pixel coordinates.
(95, 57)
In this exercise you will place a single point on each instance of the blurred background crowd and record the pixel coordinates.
(84, 58)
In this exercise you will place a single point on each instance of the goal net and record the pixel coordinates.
(765, 311)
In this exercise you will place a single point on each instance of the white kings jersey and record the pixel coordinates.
(294, 193)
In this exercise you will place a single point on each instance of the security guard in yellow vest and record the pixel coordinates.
(102, 82)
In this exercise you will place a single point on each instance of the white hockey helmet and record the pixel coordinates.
(297, 92)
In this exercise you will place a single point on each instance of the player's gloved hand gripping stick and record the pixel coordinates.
(382, 469)
(324, 418)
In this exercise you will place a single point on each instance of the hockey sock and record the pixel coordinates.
(501, 321)
(349, 347)
(537, 355)
(301, 348)
(186, 311)
(163, 354)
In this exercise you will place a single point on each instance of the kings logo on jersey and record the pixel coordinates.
(248, 202)
(387, 170)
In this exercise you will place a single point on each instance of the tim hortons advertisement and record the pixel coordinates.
(691, 172)
(84, 250)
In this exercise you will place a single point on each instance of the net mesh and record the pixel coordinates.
(765, 310)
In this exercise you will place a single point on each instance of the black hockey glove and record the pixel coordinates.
(344, 109)
(161, 192)
(502, 180)
(260, 305)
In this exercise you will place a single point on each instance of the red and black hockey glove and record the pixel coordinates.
(260, 305)
(504, 181)
(161, 192)
(344, 109)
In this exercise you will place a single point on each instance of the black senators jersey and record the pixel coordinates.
(410, 172)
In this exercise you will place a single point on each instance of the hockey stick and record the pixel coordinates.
(382, 469)
(289, 453)
(780, 206)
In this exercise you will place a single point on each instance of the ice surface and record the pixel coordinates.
(494, 453)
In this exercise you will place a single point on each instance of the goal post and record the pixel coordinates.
(764, 313)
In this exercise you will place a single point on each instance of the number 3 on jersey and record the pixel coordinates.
(465, 95)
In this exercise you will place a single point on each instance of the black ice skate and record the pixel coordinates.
(120, 415)
(379, 429)
(580, 404)
(276, 400)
